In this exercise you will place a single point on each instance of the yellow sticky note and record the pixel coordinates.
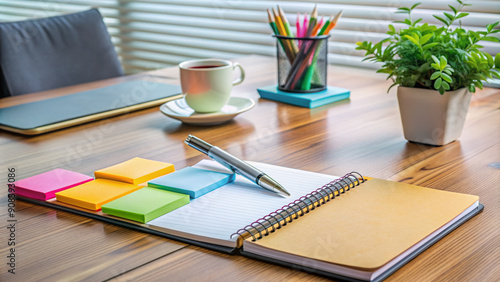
(135, 171)
(93, 194)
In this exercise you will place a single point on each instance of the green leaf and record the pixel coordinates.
(475, 57)
(497, 61)
(449, 16)
(436, 66)
(453, 9)
(425, 38)
(461, 15)
(490, 38)
(441, 20)
(445, 85)
(384, 70)
(490, 60)
(435, 75)
(447, 71)
(414, 6)
(442, 62)
(436, 60)
(474, 34)
(391, 28)
(379, 47)
(447, 77)
(404, 9)
(490, 27)
(415, 41)
(430, 45)
(472, 88)
(437, 83)
(472, 64)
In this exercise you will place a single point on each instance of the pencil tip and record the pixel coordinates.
(282, 13)
(337, 17)
(270, 16)
(315, 11)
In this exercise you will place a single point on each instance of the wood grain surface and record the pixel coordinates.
(363, 134)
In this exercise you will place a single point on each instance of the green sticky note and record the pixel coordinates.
(145, 204)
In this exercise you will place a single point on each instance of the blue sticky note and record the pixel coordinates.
(192, 181)
(307, 100)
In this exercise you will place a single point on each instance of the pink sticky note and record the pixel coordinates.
(44, 186)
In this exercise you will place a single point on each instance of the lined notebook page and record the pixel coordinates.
(224, 211)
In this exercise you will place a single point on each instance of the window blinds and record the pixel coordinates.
(151, 34)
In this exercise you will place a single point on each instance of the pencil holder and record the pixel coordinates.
(302, 63)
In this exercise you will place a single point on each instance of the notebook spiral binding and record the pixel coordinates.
(286, 214)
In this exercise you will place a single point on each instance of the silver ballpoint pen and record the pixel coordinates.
(238, 166)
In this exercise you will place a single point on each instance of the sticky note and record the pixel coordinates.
(93, 194)
(192, 181)
(145, 204)
(135, 171)
(44, 186)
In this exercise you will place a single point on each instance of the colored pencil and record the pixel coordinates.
(286, 24)
(312, 21)
(325, 26)
(270, 18)
(279, 23)
(317, 27)
(305, 25)
(300, 65)
(333, 23)
(297, 26)
(303, 60)
(272, 23)
(306, 81)
(289, 32)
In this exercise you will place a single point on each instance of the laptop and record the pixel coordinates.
(56, 113)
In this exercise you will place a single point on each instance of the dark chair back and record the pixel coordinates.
(48, 53)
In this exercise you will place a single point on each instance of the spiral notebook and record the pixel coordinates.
(349, 227)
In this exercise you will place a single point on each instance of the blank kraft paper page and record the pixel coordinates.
(224, 211)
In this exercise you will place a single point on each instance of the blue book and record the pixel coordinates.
(307, 100)
(192, 181)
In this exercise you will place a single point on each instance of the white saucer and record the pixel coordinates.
(178, 109)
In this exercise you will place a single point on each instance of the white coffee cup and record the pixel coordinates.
(207, 84)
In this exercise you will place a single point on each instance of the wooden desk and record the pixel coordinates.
(362, 134)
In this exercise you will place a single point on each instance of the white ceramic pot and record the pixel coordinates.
(431, 118)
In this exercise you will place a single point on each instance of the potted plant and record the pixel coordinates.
(436, 70)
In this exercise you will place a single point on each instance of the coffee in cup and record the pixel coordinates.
(207, 84)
